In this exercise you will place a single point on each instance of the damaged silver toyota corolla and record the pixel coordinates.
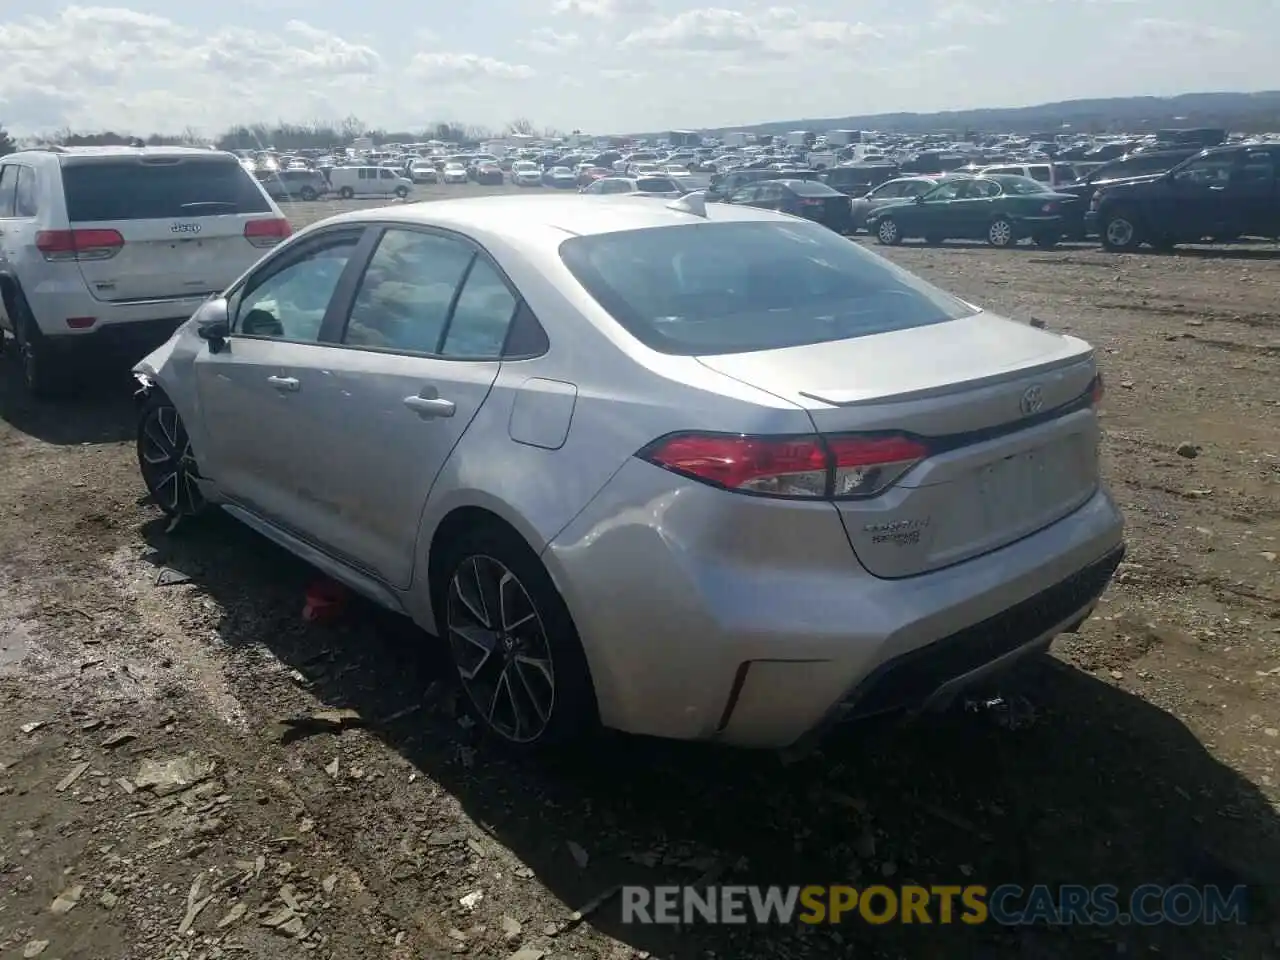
(690, 470)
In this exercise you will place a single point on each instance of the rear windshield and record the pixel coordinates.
(655, 185)
(811, 188)
(131, 190)
(713, 288)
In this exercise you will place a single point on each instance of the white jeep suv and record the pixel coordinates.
(108, 249)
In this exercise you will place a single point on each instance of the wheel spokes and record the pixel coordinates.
(500, 649)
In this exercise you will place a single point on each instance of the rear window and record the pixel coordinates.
(714, 288)
(811, 188)
(132, 190)
(656, 185)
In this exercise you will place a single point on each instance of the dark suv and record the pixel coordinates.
(1131, 167)
(1220, 194)
(857, 180)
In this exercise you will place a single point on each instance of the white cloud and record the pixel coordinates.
(467, 67)
(546, 40)
(777, 31)
(1184, 32)
(98, 67)
(601, 9)
(966, 15)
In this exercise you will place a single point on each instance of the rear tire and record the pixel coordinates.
(41, 379)
(308, 194)
(547, 700)
(402, 192)
(346, 193)
(888, 232)
(1119, 232)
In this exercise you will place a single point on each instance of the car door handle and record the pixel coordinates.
(285, 384)
(430, 407)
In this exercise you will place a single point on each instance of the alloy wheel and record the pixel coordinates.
(887, 232)
(1119, 232)
(168, 463)
(500, 648)
(1000, 234)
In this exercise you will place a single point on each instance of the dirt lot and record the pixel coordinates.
(154, 802)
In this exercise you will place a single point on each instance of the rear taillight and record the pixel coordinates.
(267, 233)
(80, 245)
(836, 467)
(810, 203)
(1097, 390)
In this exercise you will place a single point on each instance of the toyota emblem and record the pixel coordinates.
(1032, 401)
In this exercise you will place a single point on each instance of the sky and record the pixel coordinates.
(603, 66)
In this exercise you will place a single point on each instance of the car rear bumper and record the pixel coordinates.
(139, 324)
(750, 622)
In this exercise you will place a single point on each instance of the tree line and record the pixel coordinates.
(282, 136)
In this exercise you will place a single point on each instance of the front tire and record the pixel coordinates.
(402, 192)
(346, 193)
(308, 194)
(166, 461)
(888, 232)
(515, 650)
(1001, 233)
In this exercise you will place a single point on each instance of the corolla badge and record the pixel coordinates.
(1032, 401)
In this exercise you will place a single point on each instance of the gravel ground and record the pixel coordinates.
(189, 770)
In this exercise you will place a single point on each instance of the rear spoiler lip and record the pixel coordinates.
(925, 393)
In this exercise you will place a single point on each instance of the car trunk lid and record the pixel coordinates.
(1004, 409)
(180, 227)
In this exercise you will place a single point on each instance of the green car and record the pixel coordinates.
(1001, 209)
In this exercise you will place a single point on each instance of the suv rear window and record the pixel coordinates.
(130, 189)
(714, 288)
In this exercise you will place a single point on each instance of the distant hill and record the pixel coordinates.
(1239, 112)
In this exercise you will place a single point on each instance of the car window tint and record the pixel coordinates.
(916, 187)
(101, 190)
(24, 201)
(8, 185)
(1258, 168)
(1213, 170)
(888, 191)
(731, 287)
(291, 303)
(946, 191)
(479, 323)
(404, 297)
(1041, 174)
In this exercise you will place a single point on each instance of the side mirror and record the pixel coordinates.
(213, 324)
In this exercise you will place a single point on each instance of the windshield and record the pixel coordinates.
(714, 288)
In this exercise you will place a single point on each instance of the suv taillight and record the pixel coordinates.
(837, 467)
(1097, 390)
(60, 246)
(267, 233)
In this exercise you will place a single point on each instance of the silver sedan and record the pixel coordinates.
(700, 471)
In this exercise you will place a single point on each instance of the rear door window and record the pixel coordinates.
(8, 184)
(128, 189)
(25, 203)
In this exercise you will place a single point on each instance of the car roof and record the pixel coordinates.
(521, 220)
